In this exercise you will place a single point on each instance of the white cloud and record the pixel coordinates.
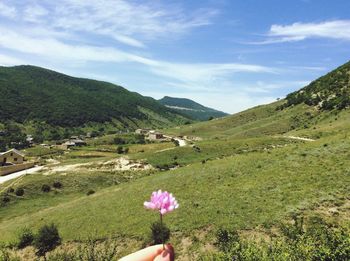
(130, 23)
(35, 13)
(337, 29)
(9, 60)
(195, 76)
(7, 10)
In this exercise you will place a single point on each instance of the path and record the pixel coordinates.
(298, 138)
(15, 175)
(182, 142)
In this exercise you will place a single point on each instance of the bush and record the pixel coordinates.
(19, 192)
(126, 150)
(90, 192)
(57, 185)
(225, 239)
(6, 199)
(25, 238)
(120, 150)
(10, 190)
(118, 140)
(45, 188)
(160, 233)
(47, 239)
(317, 240)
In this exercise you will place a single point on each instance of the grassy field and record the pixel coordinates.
(246, 174)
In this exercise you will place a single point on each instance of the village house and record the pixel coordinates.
(73, 143)
(142, 131)
(11, 157)
(155, 136)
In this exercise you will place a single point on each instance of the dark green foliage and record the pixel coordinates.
(90, 192)
(226, 240)
(119, 141)
(316, 240)
(193, 110)
(331, 91)
(57, 185)
(6, 199)
(60, 100)
(47, 239)
(176, 142)
(45, 188)
(10, 190)
(13, 136)
(19, 192)
(25, 238)
(160, 233)
(120, 150)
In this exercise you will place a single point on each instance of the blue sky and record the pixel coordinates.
(226, 54)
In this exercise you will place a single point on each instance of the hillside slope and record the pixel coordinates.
(191, 109)
(33, 93)
(302, 110)
(331, 91)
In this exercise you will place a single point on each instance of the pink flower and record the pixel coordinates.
(162, 201)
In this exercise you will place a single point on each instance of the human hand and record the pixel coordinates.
(152, 253)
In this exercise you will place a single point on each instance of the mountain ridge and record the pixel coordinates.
(191, 108)
(40, 94)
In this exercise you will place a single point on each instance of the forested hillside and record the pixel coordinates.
(331, 91)
(32, 93)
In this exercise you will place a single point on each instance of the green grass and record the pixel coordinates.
(242, 191)
(247, 174)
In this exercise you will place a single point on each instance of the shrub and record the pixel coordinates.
(317, 240)
(126, 150)
(90, 192)
(10, 190)
(118, 140)
(57, 184)
(6, 199)
(160, 233)
(25, 238)
(45, 188)
(226, 239)
(120, 150)
(19, 192)
(47, 239)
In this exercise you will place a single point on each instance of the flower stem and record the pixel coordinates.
(162, 232)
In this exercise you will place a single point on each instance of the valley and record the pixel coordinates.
(248, 172)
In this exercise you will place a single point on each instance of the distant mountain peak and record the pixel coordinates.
(191, 108)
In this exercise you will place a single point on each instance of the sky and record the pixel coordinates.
(225, 54)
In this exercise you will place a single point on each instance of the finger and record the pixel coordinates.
(167, 254)
(146, 254)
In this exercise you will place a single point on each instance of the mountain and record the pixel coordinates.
(331, 91)
(191, 109)
(31, 93)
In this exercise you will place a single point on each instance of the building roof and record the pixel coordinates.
(14, 151)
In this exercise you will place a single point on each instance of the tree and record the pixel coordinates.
(120, 150)
(47, 239)
(25, 238)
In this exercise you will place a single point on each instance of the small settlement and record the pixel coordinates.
(12, 161)
(151, 134)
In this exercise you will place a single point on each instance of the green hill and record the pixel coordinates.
(331, 91)
(191, 109)
(31, 93)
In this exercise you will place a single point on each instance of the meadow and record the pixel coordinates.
(247, 175)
